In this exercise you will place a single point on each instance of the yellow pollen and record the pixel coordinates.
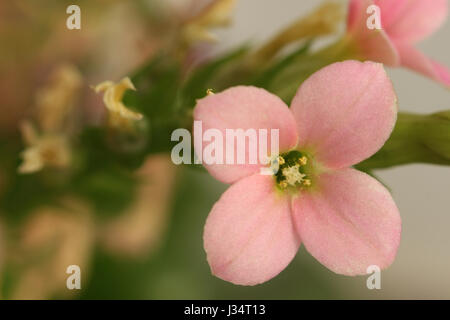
(293, 175)
(306, 182)
(281, 161)
(302, 161)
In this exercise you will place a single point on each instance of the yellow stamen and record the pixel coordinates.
(303, 161)
(293, 175)
(283, 184)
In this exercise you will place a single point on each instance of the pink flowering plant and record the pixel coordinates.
(319, 85)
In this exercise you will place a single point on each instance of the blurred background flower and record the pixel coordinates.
(41, 79)
(49, 241)
(140, 229)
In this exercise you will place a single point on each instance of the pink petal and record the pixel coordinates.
(244, 108)
(345, 112)
(350, 223)
(249, 235)
(373, 45)
(412, 20)
(416, 60)
(357, 16)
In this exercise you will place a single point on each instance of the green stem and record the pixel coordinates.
(415, 139)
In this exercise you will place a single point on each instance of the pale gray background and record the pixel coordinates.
(422, 192)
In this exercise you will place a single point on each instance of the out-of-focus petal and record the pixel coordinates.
(249, 235)
(243, 108)
(357, 16)
(345, 112)
(373, 45)
(349, 223)
(59, 236)
(416, 60)
(412, 20)
(140, 229)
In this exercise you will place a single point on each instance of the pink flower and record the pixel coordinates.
(346, 219)
(404, 23)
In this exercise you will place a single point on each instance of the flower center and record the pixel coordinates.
(292, 170)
